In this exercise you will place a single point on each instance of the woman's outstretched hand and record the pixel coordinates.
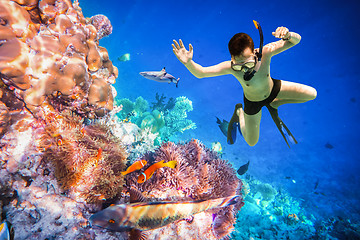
(281, 32)
(181, 53)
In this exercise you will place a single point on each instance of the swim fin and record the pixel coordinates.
(234, 126)
(284, 130)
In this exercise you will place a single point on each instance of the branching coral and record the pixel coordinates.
(176, 119)
(160, 104)
(199, 175)
(49, 53)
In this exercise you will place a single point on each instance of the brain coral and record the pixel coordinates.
(50, 53)
(199, 175)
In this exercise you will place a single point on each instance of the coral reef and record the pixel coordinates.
(63, 147)
(176, 119)
(131, 109)
(160, 104)
(271, 214)
(165, 119)
(50, 53)
(53, 76)
(199, 175)
(137, 141)
(53, 170)
(153, 120)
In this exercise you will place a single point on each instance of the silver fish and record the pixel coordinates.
(152, 215)
(160, 76)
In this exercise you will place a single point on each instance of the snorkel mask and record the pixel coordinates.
(248, 75)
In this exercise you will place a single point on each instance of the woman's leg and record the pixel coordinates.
(291, 92)
(250, 126)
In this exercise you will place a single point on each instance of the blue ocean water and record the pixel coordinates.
(327, 128)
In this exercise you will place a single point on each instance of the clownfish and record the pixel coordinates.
(98, 155)
(150, 170)
(135, 166)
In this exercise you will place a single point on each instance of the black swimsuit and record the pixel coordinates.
(252, 108)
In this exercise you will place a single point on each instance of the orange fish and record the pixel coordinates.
(293, 217)
(98, 155)
(82, 130)
(135, 166)
(150, 170)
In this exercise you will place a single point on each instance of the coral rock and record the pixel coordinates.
(49, 51)
(100, 95)
(4, 119)
(102, 24)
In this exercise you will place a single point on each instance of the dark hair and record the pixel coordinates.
(239, 42)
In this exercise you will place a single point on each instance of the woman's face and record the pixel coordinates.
(243, 62)
(246, 55)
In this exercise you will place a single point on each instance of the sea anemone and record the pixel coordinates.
(87, 160)
(199, 175)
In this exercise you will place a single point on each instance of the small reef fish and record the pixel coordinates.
(124, 58)
(59, 142)
(160, 76)
(316, 184)
(243, 169)
(135, 166)
(329, 145)
(293, 217)
(150, 170)
(99, 153)
(224, 125)
(6, 231)
(290, 178)
(216, 147)
(152, 215)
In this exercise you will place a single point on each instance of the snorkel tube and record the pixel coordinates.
(248, 75)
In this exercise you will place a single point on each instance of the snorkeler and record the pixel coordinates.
(251, 67)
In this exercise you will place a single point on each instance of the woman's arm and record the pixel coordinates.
(212, 71)
(288, 40)
(185, 57)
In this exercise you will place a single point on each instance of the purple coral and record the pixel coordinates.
(102, 25)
